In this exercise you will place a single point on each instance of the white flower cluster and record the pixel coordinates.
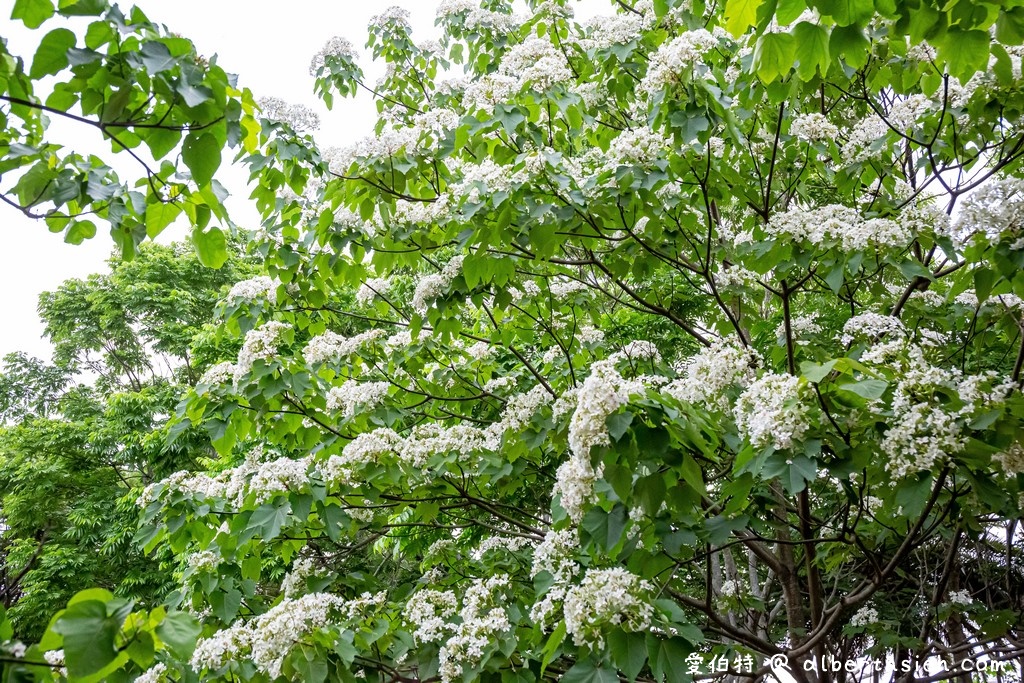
(871, 326)
(636, 147)
(219, 374)
(203, 560)
(771, 411)
(430, 613)
(331, 346)
(835, 223)
(477, 18)
(371, 289)
(430, 438)
(674, 58)
(923, 430)
(507, 543)
(434, 285)
(268, 638)
(294, 581)
(801, 326)
(536, 63)
(601, 394)
(353, 394)
(561, 287)
(1011, 460)
(641, 350)
(300, 117)
(260, 344)
(335, 49)
(392, 16)
(483, 620)
(711, 373)
(960, 598)
(813, 128)
(488, 176)
(261, 478)
(902, 116)
(555, 555)
(489, 90)
(154, 674)
(606, 31)
(864, 617)
(250, 290)
(607, 597)
(995, 208)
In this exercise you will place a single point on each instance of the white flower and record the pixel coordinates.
(295, 580)
(331, 346)
(813, 128)
(537, 63)
(606, 31)
(870, 326)
(268, 638)
(434, 285)
(301, 118)
(995, 208)
(865, 616)
(353, 393)
(712, 372)
(259, 344)
(219, 373)
(392, 16)
(835, 223)
(204, 560)
(771, 411)
(371, 289)
(256, 287)
(154, 674)
(961, 598)
(606, 598)
(675, 58)
(335, 48)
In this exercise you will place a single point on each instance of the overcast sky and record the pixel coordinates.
(269, 44)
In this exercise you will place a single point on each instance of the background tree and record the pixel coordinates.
(74, 448)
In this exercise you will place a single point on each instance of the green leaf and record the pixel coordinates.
(812, 52)
(89, 635)
(870, 389)
(211, 246)
(964, 52)
(159, 216)
(814, 373)
(605, 528)
(628, 651)
(52, 53)
(179, 631)
(201, 153)
(32, 12)
(847, 12)
(1010, 26)
(157, 57)
(849, 42)
(79, 231)
(268, 519)
(984, 280)
(741, 15)
(774, 54)
(668, 658)
(787, 11)
(585, 671)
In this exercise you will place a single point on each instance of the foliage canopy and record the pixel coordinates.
(685, 333)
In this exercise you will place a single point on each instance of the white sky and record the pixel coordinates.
(269, 44)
